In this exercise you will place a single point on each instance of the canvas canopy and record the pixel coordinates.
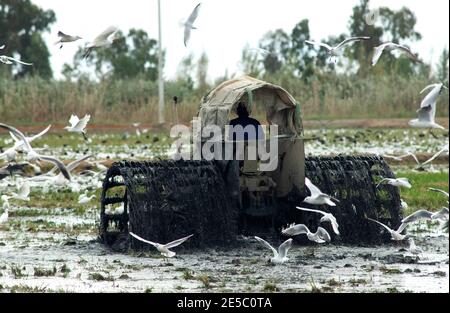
(281, 108)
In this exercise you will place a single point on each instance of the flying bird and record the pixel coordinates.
(64, 38)
(334, 51)
(280, 256)
(10, 60)
(77, 125)
(32, 154)
(317, 196)
(2, 47)
(327, 217)
(395, 234)
(415, 217)
(320, 236)
(105, 39)
(189, 24)
(164, 249)
(392, 46)
(399, 182)
(19, 143)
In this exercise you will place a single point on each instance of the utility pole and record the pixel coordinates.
(161, 116)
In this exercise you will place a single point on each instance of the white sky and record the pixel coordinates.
(225, 26)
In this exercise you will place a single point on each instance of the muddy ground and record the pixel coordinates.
(46, 260)
(50, 243)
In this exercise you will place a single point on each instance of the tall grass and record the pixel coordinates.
(33, 100)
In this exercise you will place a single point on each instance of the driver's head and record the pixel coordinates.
(241, 110)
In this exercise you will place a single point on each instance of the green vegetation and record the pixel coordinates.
(418, 197)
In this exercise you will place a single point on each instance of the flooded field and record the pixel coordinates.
(50, 243)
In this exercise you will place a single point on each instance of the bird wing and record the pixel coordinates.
(178, 242)
(320, 44)
(440, 191)
(268, 245)
(313, 188)
(105, 34)
(81, 125)
(18, 61)
(296, 230)
(390, 230)
(2, 47)
(143, 240)
(18, 134)
(426, 114)
(323, 234)
(378, 52)
(429, 87)
(73, 120)
(194, 15)
(61, 34)
(419, 215)
(187, 35)
(311, 210)
(408, 52)
(434, 157)
(42, 133)
(414, 157)
(73, 165)
(335, 226)
(58, 163)
(349, 40)
(284, 248)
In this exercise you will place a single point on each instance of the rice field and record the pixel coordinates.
(50, 243)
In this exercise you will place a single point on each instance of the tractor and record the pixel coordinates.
(220, 199)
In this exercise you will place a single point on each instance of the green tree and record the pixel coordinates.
(21, 26)
(202, 72)
(397, 26)
(442, 68)
(134, 55)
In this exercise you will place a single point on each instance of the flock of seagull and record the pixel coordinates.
(426, 119)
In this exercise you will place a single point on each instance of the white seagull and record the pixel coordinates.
(427, 111)
(64, 38)
(77, 125)
(10, 60)
(399, 182)
(334, 51)
(395, 234)
(280, 256)
(317, 196)
(4, 217)
(320, 236)
(84, 199)
(106, 38)
(415, 217)
(23, 193)
(19, 143)
(390, 45)
(413, 248)
(164, 249)
(327, 217)
(33, 155)
(2, 47)
(189, 24)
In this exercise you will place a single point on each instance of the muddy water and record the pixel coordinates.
(80, 264)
